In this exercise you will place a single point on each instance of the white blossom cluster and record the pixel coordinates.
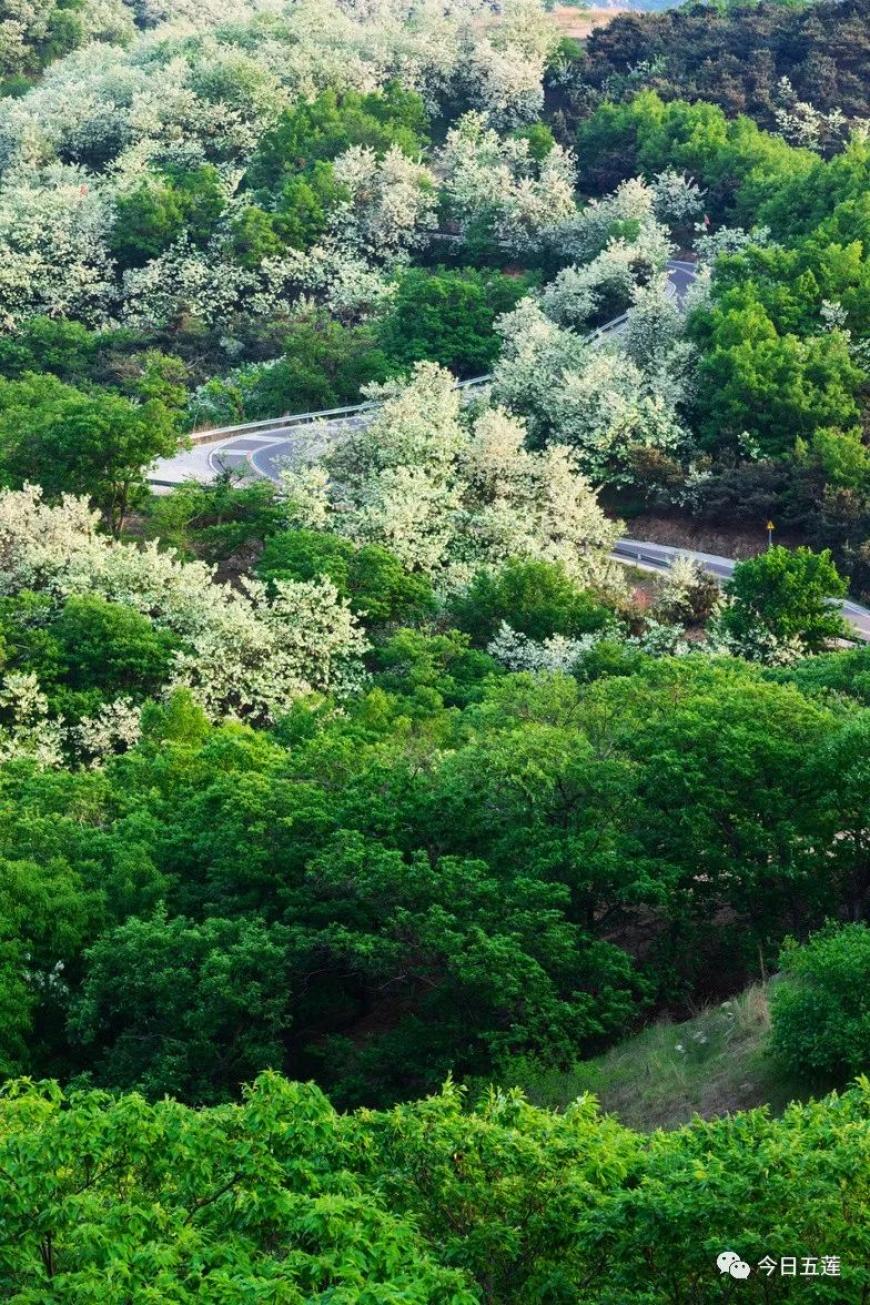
(677, 199)
(245, 652)
(391, 204)
(559, 654)
(204, 86)
(25, 730)
(24, 23)
(633, 208)
(494, 178)
(727, 240)
(53, 252)
(660, 639)
(801, 123)
(517, 652)
(504, 67)
(578, 292)
(447, 493)
(595, 399)
(685, 589)
(758, 643)
(28, 732)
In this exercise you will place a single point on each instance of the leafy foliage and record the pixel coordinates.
(782, 598)
(821, 1021)
(72, 442)
(427, 1203)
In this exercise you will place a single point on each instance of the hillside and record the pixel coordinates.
(364, 813)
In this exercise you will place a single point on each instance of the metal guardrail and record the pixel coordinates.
(288, 420)
(635, 553)
(337, 414)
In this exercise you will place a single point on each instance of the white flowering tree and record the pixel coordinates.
(54, 257)
(25, 25)
(449, 494)
(504, 71)
(25, 730)
(186, 280)
(630, 208)
(577, 292)
(391, 203)
(558, 654)
(493, 179)
(677, 199)
(247, 652)
(591, 397)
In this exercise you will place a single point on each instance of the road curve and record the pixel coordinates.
(264, 452)
(255, 448)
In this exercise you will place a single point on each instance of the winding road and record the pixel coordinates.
(261, 449)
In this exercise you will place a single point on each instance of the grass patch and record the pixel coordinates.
(710, 1065)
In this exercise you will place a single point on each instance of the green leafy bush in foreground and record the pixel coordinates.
(283, 1199)
(821, 1012)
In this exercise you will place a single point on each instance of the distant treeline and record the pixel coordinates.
(736, 56)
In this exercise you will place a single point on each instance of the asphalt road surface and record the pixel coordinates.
(265, 452)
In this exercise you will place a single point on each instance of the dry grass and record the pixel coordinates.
(710, 1065)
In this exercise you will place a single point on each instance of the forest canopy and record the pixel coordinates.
(343, 788)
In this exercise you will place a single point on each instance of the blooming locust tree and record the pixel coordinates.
(495, 181)
(448, 493)
(244, 652)
(390, 205)
(592, 398)
(504, 71)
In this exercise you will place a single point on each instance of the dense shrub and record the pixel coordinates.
(371, 577)
(537, 599)
(430, 1203)
(821, 1008)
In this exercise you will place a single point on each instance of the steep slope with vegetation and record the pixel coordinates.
(386, 776)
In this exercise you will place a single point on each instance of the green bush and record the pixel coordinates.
(284, 1198)
(536, 598)
(447, 317)
(821, 1010)
(783, 597)
(372, 578)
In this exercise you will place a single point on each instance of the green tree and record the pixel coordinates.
(73, 442)
(433, 669)
(215, 520)
(111, 647)
(325, 365)
(430, 1202)
(87, 652)
(321, 129)
(776, 388)
(536, 598)
(304, 203)
(49, 344)
(820, 1010)
(161, 208)
(194, 1204)
(783, 599)
(168, 1005)
(447, 316)
(371, 577)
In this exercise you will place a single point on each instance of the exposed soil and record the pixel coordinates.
(681, 532)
